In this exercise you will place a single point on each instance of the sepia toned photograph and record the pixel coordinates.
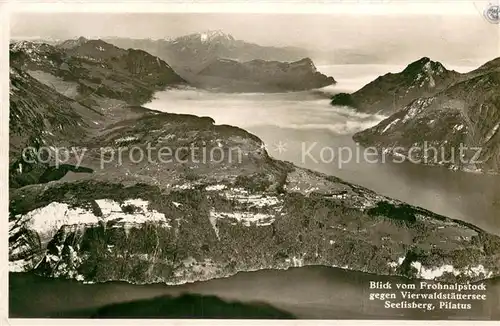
(340, 163)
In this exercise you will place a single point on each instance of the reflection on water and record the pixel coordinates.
(305, 292)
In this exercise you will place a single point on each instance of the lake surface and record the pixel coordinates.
(294, 124)
(311, 292)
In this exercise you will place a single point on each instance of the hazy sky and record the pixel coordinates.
(468, 35)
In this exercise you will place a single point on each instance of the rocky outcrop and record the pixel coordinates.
(188, 219)
(264, 76)
(465, 115)
(391, 92)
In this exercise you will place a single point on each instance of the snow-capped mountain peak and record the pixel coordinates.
(73, 43)
(212, 35)
(206, 37)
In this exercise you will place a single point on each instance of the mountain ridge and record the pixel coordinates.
(93, 64)
(192, 52)
(263, 76)
(466, 113)
(392, 91)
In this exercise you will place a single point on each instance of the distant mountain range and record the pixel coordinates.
(388, 52)
(201, 60)
(217, 61)
(193, 52)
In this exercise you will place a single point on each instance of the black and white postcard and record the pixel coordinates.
(253, 160)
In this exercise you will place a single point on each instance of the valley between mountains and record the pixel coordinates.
(191, 219)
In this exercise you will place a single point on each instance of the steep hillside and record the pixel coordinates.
(37, 110)
(40, 117)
